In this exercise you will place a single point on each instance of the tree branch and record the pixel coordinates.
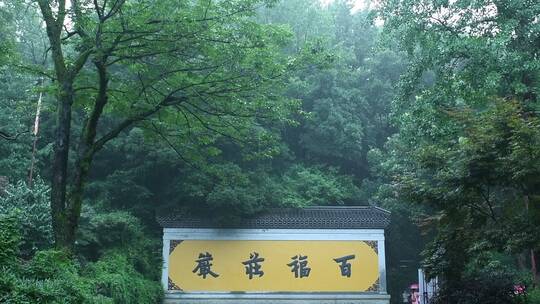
(490, 205)
(6, 136)
(171, 145)
(167, 101)
(80, 61)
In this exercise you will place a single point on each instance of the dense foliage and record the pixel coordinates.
(52, 276)
(426, 108)
(468, 139)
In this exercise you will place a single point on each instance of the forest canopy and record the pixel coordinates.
(114, 111)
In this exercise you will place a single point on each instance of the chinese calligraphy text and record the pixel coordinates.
(253, 266)
(345, 267)
(204, 265)
(299, 266)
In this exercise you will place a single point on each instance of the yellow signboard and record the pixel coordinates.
(273, 266)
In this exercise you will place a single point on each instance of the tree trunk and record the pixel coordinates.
(85, 154)
(35, 132)
(63, 239)
(534, 270)
(75, 197)
(66, 206)
(64, 98)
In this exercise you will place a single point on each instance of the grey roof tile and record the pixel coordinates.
(350, 217)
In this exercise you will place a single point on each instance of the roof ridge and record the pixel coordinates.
(313, 217)
(381, 209)
(338, 207)
(325, 207)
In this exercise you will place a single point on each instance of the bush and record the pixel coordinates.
(31, 207)
(115, 278)
(9, 240)
(119, 231)
(53, 277)
(101, 232)
(50, 264)
(127, 263)
(50, 277)
(533, 296)
(481, 288)
(126, 269)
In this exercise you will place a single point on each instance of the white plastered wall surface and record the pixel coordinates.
(374, 235)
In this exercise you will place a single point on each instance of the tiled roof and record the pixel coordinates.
(353, 217)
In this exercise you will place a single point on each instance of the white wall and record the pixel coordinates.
(276, 235)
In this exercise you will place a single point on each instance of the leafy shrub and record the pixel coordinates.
(481, 288)
(49, 264)
(53, 277)
(119, 231)
(50, 277)
(31, 206)
(9, 240)
(126, 269)
(65, 289)
(533, 296)
(100, 232)
(115, 278)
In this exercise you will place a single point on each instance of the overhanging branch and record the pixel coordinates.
(168, 101)
(6, 136)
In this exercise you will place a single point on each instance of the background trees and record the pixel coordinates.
(214, 109)
(467, 112)
(227, 108)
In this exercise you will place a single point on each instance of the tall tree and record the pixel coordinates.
(190, 69)
(468, 120)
